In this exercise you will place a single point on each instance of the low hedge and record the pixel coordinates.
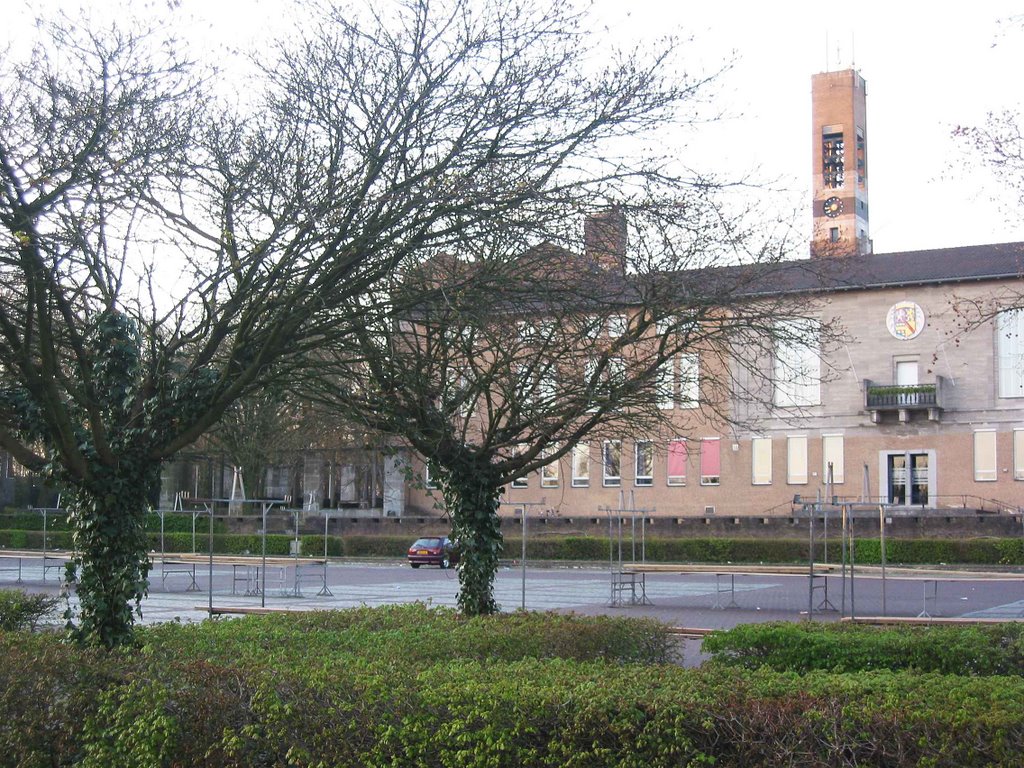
(986, 551)
(19, 610)
(33, 521)
(788, 647)
(403, 686)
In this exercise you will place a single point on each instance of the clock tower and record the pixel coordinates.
(839, 153)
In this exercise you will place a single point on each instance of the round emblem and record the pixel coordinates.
(905, 320)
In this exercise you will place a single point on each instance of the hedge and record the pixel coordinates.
(982, 551)
(839, 647)
(33, 521)
(355, 689)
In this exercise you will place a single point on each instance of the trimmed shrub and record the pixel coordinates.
(19, 610)
(406, 685)
(840, 647)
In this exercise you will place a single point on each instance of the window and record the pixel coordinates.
(796, 460)
(832, 453)
(833, 234)
(612, 463)
(833, 157)
(520, 482)
(617, 325)
(429, 477)
(677, 462)
(667, 385)
(797, 370)
(581, 465)
(985, 456)
(1018, 454)
(710, 461)
(689, 381)
(761, 461)
(1010, 344)
(549, 472)
(644, 463)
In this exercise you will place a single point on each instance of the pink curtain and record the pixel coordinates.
(677, 458)
(710, 457)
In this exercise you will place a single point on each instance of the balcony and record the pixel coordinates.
(903, 400)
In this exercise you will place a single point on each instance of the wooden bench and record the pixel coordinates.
(51, 559)
(725, 578)
(245, 569)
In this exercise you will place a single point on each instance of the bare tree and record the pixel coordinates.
(165, 253)
(502, 360)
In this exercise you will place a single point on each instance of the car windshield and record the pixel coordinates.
(427, 543)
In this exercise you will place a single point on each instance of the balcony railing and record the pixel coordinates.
(903, 399)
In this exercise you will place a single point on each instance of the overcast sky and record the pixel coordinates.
(927, 71)
(928, 66)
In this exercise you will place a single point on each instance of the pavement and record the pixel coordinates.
(694, 600)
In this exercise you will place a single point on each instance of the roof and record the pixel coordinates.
(1000, 261)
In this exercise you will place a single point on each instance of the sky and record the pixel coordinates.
(927, 71)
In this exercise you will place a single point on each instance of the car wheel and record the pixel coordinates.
(446, 562)
(415, 565)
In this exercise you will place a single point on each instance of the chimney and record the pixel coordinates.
(605, 238)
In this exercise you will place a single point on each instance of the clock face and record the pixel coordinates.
(833, 207)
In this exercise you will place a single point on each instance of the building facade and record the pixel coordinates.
(919, 405)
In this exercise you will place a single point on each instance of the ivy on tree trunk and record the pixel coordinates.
(111, 563)
(471, 495)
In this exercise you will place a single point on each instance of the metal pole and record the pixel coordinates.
(44, 544)
(853, 580)
(810, 566)
(522, 559)
(209, 591)
(611, 560)
(843, 523)
(263, 571)
(632, 529)
(824, 532)
(881, 529)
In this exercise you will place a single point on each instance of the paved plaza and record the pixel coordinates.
(690, 600)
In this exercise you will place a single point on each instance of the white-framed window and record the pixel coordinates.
(612, 461)
(549, 474)
(677, 459)
(796, 459)
(796, 372)
(581, 465)
(689, 381)
(591, 327)
(520, 482)
(617, 325)
(710, 461)
(761, 461)
(1018, 454)
(832, 452)
(644, 463)
(1010, 352)
(429, 478)
(985, 456)
(667, 385)
(547, 387)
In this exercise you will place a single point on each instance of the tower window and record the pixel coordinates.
(861, 158)
(833, 234)
(833, 166)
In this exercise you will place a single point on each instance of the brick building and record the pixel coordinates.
(912, 408)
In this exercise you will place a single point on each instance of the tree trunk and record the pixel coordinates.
(472, 498)
(107, 517)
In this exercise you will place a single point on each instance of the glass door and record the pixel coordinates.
(897, 479)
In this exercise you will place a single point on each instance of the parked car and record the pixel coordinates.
(433, 550)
